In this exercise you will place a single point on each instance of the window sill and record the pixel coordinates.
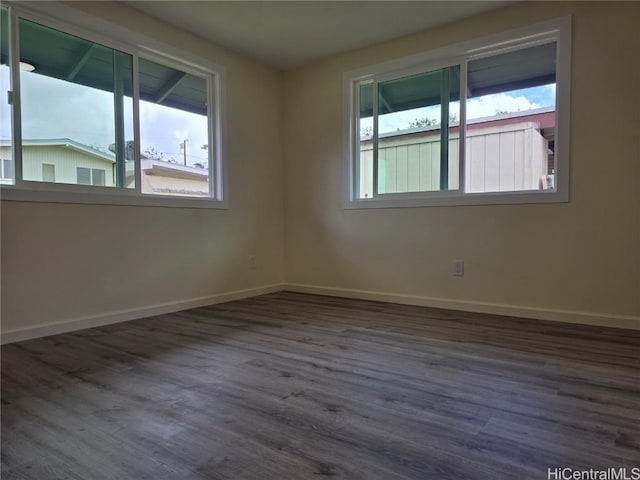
(17, 194)
(453, 199)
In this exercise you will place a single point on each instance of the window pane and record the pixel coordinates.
(83, 176)
(6, 156)
(7, 172)
(48, 172)
(69, 99)
(98, 177)
(364, 169)
(417, 140)
(511, 107)
(174, 131)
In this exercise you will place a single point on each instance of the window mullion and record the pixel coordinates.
(445, 94)
(118, 100)
(211, 149)
(462, 128)
(356, 166)
(136, 125)
(16, 118)
(374, 138)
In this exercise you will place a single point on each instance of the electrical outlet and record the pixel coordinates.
(252, 263)
(458, 268)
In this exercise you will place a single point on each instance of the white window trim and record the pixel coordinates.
(70, 20)
(559, 28)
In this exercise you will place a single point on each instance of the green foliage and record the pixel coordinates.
(423, 122)
(153, 154)
(366, 132)
(431, 122)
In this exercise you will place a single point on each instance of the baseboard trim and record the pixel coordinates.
(566, 316)
(44, 330)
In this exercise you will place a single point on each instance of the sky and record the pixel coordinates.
(486, 106)
(5, 113)
(53, 109)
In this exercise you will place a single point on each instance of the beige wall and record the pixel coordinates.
(581, 256)
(66, 262)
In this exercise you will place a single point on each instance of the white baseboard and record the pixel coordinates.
(46, 329)
(567, 316)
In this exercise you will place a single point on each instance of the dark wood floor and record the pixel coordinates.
(293, 386)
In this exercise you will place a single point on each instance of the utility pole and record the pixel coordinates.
(183, 147)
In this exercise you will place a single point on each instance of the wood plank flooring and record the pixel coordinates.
(294, 386)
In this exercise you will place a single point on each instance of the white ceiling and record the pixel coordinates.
(287, 34)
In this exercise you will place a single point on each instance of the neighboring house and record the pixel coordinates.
(167, 178)
(60, 160)
(67, 161)
(507, 152)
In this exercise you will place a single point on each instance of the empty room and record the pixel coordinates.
(379, 240)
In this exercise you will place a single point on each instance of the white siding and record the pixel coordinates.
(499, 158)
(6, 166)
(5, 151)
(366, 170)
(505, 158)
(65, 160)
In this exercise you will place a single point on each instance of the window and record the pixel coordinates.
(6, 145)
(48, 172)
(97, 177)
(93, 112)
(510, 129)
(6, 171)
(404, 163)
(90, 176)
(83, 176)
(479, 122)
(174, 130)
(76, 102)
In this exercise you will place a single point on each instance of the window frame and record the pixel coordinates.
(69, 20)
(91, 171)
(53, 171)
(215, 173)
(84, 171)
(556, 30)
(5, 173)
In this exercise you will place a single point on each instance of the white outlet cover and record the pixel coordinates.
(458, 268)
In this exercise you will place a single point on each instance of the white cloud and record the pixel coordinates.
(489, 105)
(181, 134)
(54, 108)
(485, 106)
(165, 128)
(401, 120)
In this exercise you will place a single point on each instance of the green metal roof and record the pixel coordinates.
(60, 55)
(530, 67)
